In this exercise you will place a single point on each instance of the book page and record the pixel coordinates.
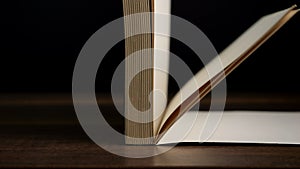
(244, 44)
(238, 127)
(161, 61)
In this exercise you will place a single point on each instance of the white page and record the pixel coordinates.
(228, 56)
(161, 60)
(238, 127)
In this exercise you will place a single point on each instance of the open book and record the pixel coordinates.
(150, 120)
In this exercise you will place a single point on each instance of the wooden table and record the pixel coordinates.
(42, 130)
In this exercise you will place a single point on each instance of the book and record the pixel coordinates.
(152, 119)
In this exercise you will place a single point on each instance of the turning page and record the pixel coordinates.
(230, 58)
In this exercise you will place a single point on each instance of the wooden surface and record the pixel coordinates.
(42, 131)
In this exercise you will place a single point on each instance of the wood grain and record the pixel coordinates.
(45, 135)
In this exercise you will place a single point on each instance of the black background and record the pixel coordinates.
(40, 41)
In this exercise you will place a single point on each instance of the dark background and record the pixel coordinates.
(40, 41)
